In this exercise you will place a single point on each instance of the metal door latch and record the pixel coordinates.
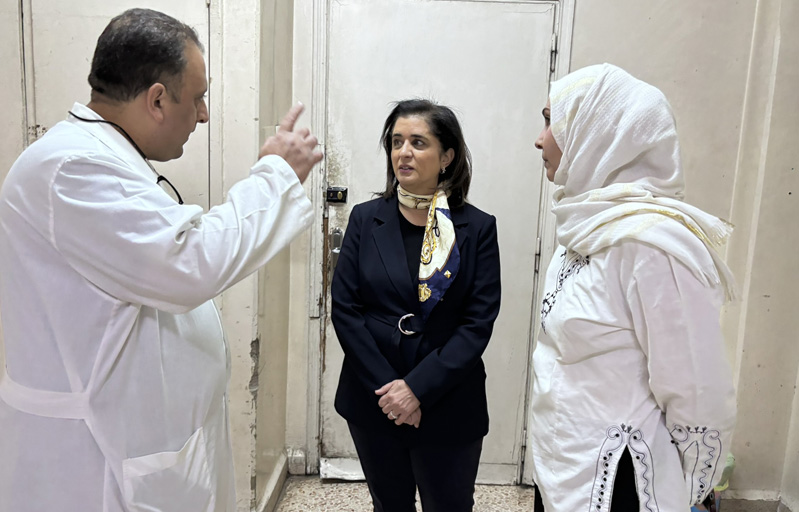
(336, 195)
(336, 237)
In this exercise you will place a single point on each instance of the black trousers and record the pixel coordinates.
(625, 494)
(444, 473)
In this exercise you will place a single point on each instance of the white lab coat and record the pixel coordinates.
(117, 369)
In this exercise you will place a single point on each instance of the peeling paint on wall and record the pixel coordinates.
(255, 350)
(35, 132)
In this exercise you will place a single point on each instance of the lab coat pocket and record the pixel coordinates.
(170, 481)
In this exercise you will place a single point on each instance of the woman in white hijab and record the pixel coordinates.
(633, 402)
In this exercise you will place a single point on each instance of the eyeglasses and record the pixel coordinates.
(159, 177)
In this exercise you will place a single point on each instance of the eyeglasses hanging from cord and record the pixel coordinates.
(159, 177)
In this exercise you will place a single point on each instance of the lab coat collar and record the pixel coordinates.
(110, 138)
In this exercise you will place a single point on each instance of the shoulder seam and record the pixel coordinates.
(51, 209)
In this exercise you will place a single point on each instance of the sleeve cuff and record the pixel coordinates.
(275, 163)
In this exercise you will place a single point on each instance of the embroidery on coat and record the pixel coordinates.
(700, 450)
(617, 438)
(642, 458)
(572, 264)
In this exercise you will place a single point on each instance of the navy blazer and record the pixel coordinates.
(442, 363)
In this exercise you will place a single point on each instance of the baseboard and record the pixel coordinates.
(342, 468)
(498, 474)
(735, 505)
(274, 485)
(297, 459)
(751, 495)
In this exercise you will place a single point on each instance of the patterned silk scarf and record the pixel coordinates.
(440, 258)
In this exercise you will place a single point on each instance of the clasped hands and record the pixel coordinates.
(399, 403)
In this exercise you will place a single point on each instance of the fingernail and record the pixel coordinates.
(300, 104)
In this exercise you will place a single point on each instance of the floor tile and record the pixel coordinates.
(310, 494)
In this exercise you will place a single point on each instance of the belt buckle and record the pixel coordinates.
(399, 325)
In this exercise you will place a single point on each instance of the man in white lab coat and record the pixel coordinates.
(115, 394)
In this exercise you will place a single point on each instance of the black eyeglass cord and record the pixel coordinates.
(159, 177)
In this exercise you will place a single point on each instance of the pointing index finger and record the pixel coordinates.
(287, 124)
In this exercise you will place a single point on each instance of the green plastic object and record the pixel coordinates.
(726, 474)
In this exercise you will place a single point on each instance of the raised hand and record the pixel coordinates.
(297, 148)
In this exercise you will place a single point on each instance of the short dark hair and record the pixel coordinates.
(445, 127)
(137, 49)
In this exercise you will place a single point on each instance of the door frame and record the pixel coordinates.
(546, 229)
(31, 131)
(311, 24)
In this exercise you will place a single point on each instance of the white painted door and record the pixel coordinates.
(58, 44)
(490, 62)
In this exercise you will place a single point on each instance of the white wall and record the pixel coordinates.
(12, 121)
(790, 476)
(302, 427)
(765, 207)
(234, 58)
(275, 279)
(697, 53)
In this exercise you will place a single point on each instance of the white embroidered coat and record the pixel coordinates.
(631, 357)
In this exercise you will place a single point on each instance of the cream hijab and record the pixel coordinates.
(620, 175)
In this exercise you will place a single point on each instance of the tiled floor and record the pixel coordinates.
(310, 494)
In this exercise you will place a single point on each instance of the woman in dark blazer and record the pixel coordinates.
(415, 295)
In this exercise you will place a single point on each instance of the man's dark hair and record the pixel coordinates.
(137, 49)
(445, 127)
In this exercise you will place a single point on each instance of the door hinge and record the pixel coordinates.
(553, 53)
(537, 254)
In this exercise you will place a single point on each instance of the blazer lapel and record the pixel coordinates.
(461, 222)
(388, 239)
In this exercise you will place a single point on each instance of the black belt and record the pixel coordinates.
(408, 324)
(405, 338)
